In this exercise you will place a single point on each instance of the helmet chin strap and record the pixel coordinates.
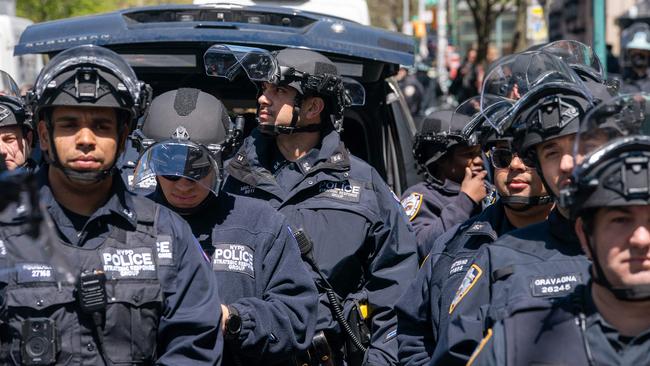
(631, 293)
(273, 130)
(520, 203)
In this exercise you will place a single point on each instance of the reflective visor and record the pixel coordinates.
(177, 159)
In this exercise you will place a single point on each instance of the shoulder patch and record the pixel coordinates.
(473, 274)
(412, 204)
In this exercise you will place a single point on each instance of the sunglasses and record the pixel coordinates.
(501, 158)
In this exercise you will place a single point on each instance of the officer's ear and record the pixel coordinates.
(313, 106)
(43, 136)
(582, 236)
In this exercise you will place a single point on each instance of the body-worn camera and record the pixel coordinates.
(39, 345)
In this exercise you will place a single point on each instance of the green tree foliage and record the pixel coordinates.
(44, 10)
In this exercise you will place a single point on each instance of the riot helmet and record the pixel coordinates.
(88, 76)
(13, 111)
(185, 135)
(635, 41)
(612, 156)
(308, 72)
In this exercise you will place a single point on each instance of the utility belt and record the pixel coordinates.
(329, 349)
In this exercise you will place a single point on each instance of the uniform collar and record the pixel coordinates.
(562, 229)
(447, 186)
(120, 202)
(250, 162)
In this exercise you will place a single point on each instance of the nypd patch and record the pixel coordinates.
(165, 250)
(233, 258)
(471, 277)
(344, 191)
(412, 204)
(129, 263)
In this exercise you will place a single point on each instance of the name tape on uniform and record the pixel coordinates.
(555, 285)
(233, 258)
(129, 263)
(35, 272)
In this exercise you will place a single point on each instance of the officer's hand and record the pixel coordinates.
(224, 316)
(473, 185)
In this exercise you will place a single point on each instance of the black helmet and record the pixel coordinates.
(187, 113)
(186, 134)
(13, 111)
(90, 76)
(438, 134)
(612, 152)
(309, 72)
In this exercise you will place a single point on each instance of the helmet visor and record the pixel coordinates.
(89, 55)
(518, 75)
(8, 86)
(610, 123)
(578, 56)
(354, 91)
(175, 160)
(227, 61)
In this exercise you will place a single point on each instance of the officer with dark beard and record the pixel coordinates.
(269, 299)
(139, 290)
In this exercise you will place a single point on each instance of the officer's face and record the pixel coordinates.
(86, 138)
(517, 179)
(621, 236)
(186, 193)
(276, 106)
(14, 147)
(455, 161)
(556, 160)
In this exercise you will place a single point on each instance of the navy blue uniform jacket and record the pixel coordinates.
(434, 209)
(189, 332)
(259, 271)
(362, 240)
(542, 261)
(418, 311)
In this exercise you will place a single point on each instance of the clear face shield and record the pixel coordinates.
(521, 74)
(635, 44)
(227, 61)
(174, 160)
(578, 56)
(8, 86)
(621, 120)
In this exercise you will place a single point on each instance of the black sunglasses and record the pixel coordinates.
(502, 157)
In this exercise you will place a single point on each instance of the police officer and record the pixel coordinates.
(605, 322)
(269, 296)
(636, 41)
(138, 289)
(361, 240)
(16, 134)
(520, 264)
(455, 178)
(522, 201)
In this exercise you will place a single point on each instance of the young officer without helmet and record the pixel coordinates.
(141, 290)
(605, 322)
(269, 298)
(361, 239)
